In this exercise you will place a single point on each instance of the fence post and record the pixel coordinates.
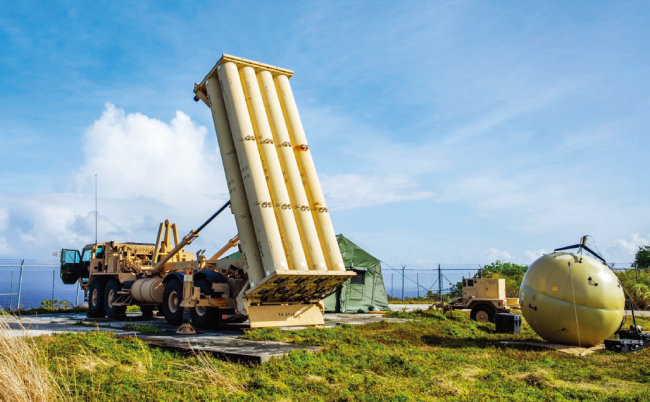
(392, 285)
(403, 268)
(20, 283)
(11, 291)
(52, 299)
(439, 284)
(417, 282)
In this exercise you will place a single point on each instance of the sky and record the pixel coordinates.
(443, 132)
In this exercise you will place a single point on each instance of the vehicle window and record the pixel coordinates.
(470, 282)
(86, 256)
(100, 252)
(70, 256)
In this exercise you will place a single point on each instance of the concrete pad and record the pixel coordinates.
(408, 307)
(225, 343)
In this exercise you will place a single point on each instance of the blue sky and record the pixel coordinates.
(454, 132)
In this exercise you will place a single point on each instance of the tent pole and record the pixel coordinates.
(374, 280)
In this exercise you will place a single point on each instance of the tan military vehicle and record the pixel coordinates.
(484, 298)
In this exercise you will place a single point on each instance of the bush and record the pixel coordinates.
(642, 258)
(55, 304)
(512, 273)
(636, 289)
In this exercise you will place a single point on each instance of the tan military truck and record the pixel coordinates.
(163, 276)
(155, 277)
(484, 298)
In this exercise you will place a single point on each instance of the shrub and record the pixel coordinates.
(637, 289)
(642, 258)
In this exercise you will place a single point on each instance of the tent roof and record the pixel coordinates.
(354, 256)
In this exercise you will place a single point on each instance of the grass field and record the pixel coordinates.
(430, 356)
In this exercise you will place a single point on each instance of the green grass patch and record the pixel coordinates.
(430, 356)
(144, 328)
(47, 310)
(133, 309)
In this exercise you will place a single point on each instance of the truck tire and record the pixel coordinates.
(110, 295)
(482, 313)
(204, 317)
(96, 299)
(171, 304)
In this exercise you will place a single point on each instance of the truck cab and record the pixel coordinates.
(75, 266)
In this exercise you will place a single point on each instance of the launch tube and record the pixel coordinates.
(239, 203)
(291, 174)
(259, 198)
(274, 177)
(318, 207)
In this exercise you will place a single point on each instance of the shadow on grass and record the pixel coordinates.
(496, 340)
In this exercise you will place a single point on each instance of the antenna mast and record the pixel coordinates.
(95, 208)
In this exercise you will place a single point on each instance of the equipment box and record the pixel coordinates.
(507, 323)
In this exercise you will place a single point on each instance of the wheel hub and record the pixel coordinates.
(172, 302)
(93, 297)
(201, 310)
(482, 316)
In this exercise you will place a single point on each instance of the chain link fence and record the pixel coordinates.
(26, 284)
(409, 281)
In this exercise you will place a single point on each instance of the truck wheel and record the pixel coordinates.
(203, 317)
(172, 298)
(110, 295)
(482, 313)
(96, 299)
(147, 311)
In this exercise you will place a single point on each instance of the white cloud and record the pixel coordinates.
(486, 255)
(4, 247)
(138, 156)
(493, 254)
(148, 171)
(4, 218)
(346, 191)
(532, 255)
(624, 250)
(4, 222)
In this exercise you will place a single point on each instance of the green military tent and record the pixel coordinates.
(363, 292)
